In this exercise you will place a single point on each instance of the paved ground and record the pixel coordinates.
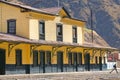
(92, 75)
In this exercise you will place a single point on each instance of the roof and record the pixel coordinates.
(25, 7)
(53, 10)
(17, 39)
(50, 11)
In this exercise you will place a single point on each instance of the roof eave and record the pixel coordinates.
(26, 8)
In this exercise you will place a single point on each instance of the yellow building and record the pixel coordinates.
(44, 40)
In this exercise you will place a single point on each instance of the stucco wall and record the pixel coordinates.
(11, 12)
(33, 29)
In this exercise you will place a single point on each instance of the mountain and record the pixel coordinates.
(105, 18)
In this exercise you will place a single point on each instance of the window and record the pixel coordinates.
(42, 30)
(48, 58)
(35, 58)
(59, 32)
(74, 34)
(18, 57)
(11, 26)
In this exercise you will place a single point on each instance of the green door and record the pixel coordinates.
(60, 61)
(87, 61)
(100, 63)
(75, 61)
(2, 62)
(42, 60)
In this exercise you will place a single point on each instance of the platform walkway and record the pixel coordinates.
(86, 75)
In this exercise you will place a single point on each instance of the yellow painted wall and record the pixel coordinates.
(0, 18)
(80, 35)
(11, 57)
(27, 26)
(34, 29)
(40, 16)
(27, 56)
(11, 12)
(63, 13)
(67, 31)
(26, 23)
(50, 30)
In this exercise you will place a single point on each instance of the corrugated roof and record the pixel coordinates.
(17, 39)
(53, 10)
(25, 7)
(50, 11)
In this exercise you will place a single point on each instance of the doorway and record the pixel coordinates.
(2, 61)
(87, 61)
(60, 61)
(42, 60)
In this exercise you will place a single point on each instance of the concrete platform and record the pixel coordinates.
(87, 75)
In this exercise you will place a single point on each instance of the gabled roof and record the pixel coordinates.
(50, 11)
(55, 10)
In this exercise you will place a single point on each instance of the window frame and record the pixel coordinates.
(42, 30)
(74, 34)
(59, 33)
(11, 29)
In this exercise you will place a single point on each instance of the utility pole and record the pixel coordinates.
(91, 24)
(58, 3)
(91, 21)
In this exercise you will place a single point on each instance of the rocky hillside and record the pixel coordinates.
(105, 15)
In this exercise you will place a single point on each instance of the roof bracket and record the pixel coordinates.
(55, 48)
(94, 51)
(24, 10)
(33, 47)
(69, 50)
(1, 42)
(102, 52)
(86, 50)
(11, 46)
